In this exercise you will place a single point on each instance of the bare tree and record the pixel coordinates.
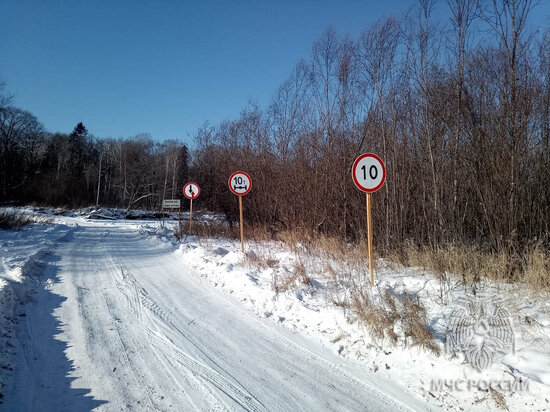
(377, 52)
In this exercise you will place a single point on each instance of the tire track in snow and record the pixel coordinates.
(170, 351)
(379, 394)
(186, 374)
(204, 361)
(126, 350)
(121, 339)
(137, 300)
(242, 398)
(352, 390)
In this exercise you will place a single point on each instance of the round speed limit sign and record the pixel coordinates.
(191, 190)
(240, 183)
(369, 172)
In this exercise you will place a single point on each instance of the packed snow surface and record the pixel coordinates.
(99, 312)
(116, 320)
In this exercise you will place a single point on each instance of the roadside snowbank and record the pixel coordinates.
(313, 300)
(519, 380)
(110, 213)
(22, 255)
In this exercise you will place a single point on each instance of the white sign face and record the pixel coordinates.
(171, 203)
(240, 183)
(369, 172)
(191, 190)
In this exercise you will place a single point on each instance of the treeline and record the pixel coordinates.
(459, 112)
(77, 169)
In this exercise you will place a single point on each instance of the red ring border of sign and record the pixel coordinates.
(355, 166)
(198, 190)
(237, 173)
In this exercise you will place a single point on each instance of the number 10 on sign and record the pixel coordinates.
(369, 174)
(240, 184)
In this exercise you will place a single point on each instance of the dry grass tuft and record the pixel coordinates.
(414, 321)
(378, 319)
(473, 265)
(14, 221)
(498, 398)
(284, 283)
(329, 270)
(301, 276)
(537, 270)
(260, 260)
(382, 317)
(206, 230)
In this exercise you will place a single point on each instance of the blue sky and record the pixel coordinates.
(162, 67)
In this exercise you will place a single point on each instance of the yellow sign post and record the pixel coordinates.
(241, 222)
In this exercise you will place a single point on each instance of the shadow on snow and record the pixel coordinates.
(43, 374)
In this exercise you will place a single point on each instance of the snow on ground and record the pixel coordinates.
(310, 310)
(176, 318)
(22, 260)
(100, 213)
(115, 320)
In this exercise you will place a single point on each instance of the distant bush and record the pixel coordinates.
(14, 221)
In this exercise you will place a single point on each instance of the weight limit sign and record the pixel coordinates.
(240, 183)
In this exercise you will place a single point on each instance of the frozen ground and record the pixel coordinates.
(114, 314)
(110, 318)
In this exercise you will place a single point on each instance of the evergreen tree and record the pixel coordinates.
(77, 150)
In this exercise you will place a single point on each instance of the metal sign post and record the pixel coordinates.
(191, 191)
(240, 184)
(369, 174)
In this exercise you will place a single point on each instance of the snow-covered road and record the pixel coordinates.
(121, 322)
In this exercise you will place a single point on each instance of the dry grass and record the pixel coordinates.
(537, 270)
(221, 230)
(14, 221)
(287, 282)
(263, 261)
(282, 283)
(327, 248)
(384, 316)
(469, 263)
(498, 398)
(473, 265)
(301, 275)
(206, 230)
(414, 321)
(379, 319)
(329, 270)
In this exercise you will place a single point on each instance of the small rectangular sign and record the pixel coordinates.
(171, 203)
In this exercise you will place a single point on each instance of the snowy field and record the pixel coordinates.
(100, 312)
